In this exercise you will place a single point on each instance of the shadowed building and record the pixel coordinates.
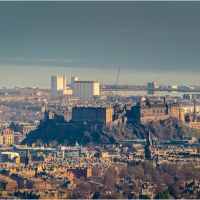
(92, 114)
(82, 172)
(151, 88)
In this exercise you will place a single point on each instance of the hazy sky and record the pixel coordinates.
(147, 40)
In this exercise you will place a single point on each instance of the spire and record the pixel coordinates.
(76, 144)
(148, 146)
(28, 158)
(194, 112)
(149, 138)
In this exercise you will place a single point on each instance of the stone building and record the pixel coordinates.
(37, 183)
(82, 172)
(147, 111)
(92, 114)
(8, 137)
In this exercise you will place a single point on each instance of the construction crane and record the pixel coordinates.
(115, 85)
(117, 78)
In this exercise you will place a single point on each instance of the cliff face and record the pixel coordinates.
(69, 133)
(49, 131)
(168, 129)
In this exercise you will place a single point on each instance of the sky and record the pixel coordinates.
(146, 40)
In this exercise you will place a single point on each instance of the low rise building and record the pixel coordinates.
(26, 128)
(8, 137)
(9, 157)
(65, 152)
(1, 139)
(18, 137)
(82, 172)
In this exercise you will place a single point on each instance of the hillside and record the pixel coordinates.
(50, 132)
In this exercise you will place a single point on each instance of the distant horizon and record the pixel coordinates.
(156, 40)
(27, 76)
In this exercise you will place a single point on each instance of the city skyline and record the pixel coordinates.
(12, 76)
(99, 100)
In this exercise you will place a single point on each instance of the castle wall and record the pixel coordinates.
(144, 114)
(92, 114)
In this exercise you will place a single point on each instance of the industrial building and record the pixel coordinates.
(86, 89)
(73, 79)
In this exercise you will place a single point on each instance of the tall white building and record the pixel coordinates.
(85, 89)
(58, 85)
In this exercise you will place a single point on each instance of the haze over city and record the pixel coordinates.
(147, 40)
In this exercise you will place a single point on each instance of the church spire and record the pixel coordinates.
(148, 146)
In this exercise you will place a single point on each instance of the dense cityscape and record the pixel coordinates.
(81, 139)
(99, 100)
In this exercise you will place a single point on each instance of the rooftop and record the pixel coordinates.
(85, 82)
(94, 107)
